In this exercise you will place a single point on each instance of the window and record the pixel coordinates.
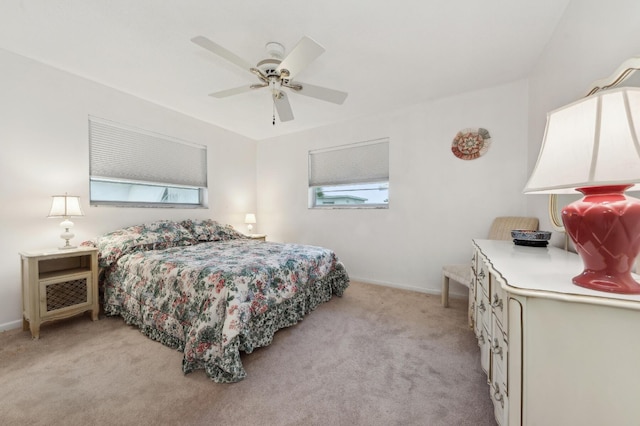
(133, 167)
(350, 176)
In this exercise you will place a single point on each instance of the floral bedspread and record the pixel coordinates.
(212, 300)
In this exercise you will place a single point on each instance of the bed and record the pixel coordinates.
(209, 291)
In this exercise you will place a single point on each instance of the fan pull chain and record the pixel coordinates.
(274, 113)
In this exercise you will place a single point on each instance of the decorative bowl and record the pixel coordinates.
(526, 235)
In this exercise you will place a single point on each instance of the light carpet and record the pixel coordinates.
(376, 356)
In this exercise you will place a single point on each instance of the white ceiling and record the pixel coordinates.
(386, 54)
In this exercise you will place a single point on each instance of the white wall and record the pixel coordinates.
(44, 140)
(437, 201)
(592, 39)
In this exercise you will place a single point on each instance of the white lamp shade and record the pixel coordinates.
(250, 218)
(591, 142)
(65, 206)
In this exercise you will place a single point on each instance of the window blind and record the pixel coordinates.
(124, 153)
(354, 163)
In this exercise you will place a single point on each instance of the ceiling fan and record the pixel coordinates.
(277, 73)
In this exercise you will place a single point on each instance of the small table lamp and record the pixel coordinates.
(592, 146)
(66, 206)
(250, 219)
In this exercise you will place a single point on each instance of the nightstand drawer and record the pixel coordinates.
(61, 294)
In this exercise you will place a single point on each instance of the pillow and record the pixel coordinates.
(227, 232)
(210, 230)
(152, 236)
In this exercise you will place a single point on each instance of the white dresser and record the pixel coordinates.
(554, 353)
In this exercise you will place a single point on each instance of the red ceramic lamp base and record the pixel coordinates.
(605, 228)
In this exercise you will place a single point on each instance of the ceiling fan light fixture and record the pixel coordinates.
(275, 86)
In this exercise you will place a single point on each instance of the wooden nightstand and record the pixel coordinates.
(259, 237)
(58, 284)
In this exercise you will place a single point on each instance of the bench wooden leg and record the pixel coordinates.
(445, 291)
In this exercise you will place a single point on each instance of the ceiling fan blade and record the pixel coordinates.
(231, 92)
(305, 52)
(322, 93)
(283, 106)
(222, 52)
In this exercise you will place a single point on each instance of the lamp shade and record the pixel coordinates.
(250, 218)
(65, 206)
(591, 142)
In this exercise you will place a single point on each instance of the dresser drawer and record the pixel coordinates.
(499, 354)
(482, 313)
(500, 402)
(482, 277)
(498, 301)
(472, 286)
(472, 308)
(484, 341)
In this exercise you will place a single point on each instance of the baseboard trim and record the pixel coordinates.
(11, 325)
(394, 285)
(453, 294)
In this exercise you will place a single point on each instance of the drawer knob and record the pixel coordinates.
(497, 349)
